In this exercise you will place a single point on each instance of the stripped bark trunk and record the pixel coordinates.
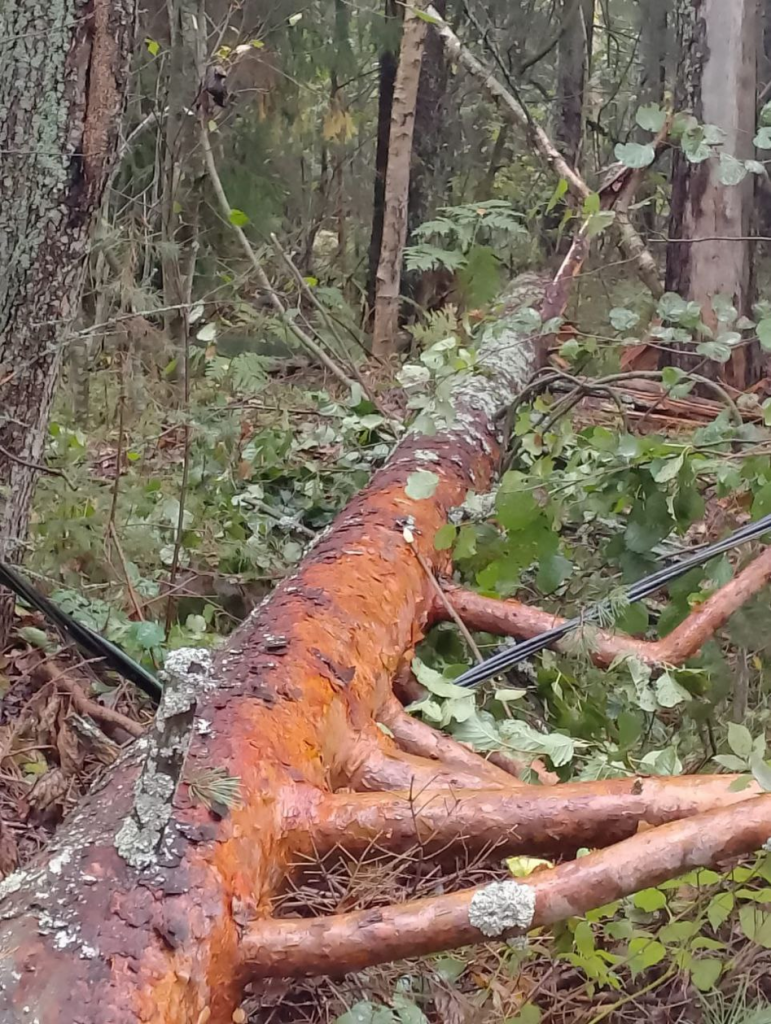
(62, 88)
(389, 272)
(717, 76)
(291, 712)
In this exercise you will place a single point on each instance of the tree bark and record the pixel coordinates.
(573, 63)
(389, 270)
(716, 82)
(62, 90)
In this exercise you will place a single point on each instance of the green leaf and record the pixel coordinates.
(719, 351)
(37, 638)
(623, 319)
(635, 155)
(669, 693)
(421, 485)
(424, 16)
(695, 146)
(553, 570)
(731, 171)
(148, 635)
(664, 470)
(761, 772)
(671, 306)
(366, 1012)
(238, 218)
(444, 538)
(153, 46)
(731, 762)
(756, 925)
(763, 139)
(592, 204)
(507, 695)
(528, 1014)
(435, 682)
(720, 908)
(764, 333)
(644, 953)
(207, 333)
(599, 222)
(651, 117)
(649, 900)
(704, 973)
(740, 740)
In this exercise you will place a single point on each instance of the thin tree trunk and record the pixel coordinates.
(717, 75)
(63, 83)
(388, 65)
(573, 62)
(654, 49)
(182, 167)
(398, 184)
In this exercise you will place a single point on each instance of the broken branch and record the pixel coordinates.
(512, 618)
(351, 942)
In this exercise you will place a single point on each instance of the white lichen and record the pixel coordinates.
(502, 907)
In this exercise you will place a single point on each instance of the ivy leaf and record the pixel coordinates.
(635, 155)
(238, 218)
(763, 139)
(421, 485)
(651, 117)
(695, 146)
(731, 171)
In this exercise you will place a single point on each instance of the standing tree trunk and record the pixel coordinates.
(182, 167)
(716, 82)
(654, 52)
(63, 83)
(388, 65)
(426, 184)
(389, 270)
(573, 60)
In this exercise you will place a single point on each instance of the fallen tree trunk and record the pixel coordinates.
(154, 902)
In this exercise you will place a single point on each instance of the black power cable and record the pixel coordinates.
(510, 656)
(89, 642)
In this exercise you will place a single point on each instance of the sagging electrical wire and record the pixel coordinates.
(90, 643)
(513, 655)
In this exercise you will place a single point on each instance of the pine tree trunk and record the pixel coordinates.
(398, 184)
(716, 82)
(62, 88)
